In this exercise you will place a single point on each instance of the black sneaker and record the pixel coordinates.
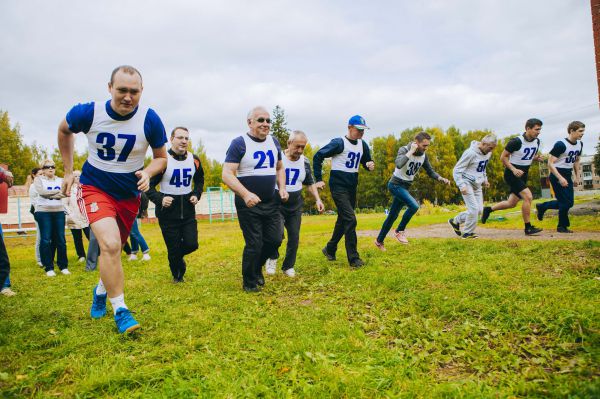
(467, 236)
(564, 230)
(455, 227)
(485, 214)
(540, 212)
(252, 289)
(260, 281)
(327, 255)
(356, 263)
(532, 230)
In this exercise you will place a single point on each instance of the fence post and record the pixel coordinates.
(19, 212)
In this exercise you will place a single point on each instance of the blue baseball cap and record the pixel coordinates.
(358, 122)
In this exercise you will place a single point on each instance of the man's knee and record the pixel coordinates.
(111, 246)
(413, 206)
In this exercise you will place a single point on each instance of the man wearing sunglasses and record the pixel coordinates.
(253, 165)
(346, 153)
(119, 132)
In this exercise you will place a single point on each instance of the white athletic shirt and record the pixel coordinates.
(295, 173)
(260, 158)
(409, 170)
(470, 168)
(49, 185)
(349, 159)
(524, 155)
(177, 179)
(569, 156)
(117, 146)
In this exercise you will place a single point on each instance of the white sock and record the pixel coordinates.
(100, 290)
(118, 302)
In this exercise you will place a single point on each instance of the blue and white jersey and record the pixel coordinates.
(566, 153)
(295, 173)
(257, 170)
(48, 186)
(177, 179)
(346, 155)
(117, 145)
(349, 159)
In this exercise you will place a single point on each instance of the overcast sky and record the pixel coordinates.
(473, 64)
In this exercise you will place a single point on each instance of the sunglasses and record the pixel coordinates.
(49, 167)
(261, 120)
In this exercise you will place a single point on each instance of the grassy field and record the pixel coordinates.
(437, 318)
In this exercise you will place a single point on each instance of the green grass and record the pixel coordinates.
(437, 318)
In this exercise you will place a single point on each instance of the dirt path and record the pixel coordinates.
(445, 231)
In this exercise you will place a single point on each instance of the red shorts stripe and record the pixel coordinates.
(100, 205)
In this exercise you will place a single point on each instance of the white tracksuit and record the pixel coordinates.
(469, 172)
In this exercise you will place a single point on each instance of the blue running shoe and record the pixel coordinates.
(125, 321)
(98, 305)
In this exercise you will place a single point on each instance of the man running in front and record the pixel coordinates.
(119, 132)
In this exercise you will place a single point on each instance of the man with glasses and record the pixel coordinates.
(252, 168)
(346, 153)
(119, 131)
(176, 201)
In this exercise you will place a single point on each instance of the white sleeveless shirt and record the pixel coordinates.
(295, 173)
(349, 159)
(260, 158)
(409, 170)
(569, 156)
(117, 146)
(177, 179)
(524, 155)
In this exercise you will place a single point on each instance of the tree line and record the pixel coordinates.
(446, 148)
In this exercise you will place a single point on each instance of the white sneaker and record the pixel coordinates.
(40, 265)
(271, 266)
(7, 292)
(65, 271)
(146, 257)
(50, 273)
(81, 260)
(132, 257)
(290, 272)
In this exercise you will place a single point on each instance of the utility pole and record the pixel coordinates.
(596, 27)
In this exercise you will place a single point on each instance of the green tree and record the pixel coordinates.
(212, 168)
(19, 157)
(78, 160)
(325, 194)
(279, 127)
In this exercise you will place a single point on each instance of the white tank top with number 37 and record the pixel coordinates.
(117, 146)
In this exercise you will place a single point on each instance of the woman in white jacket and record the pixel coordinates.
(76, 219)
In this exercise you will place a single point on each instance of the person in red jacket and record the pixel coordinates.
(5, 177)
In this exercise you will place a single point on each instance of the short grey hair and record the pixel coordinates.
(254, 110)
(295, 134)
(490, 139)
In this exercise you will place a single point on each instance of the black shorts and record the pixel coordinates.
(516, 184)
